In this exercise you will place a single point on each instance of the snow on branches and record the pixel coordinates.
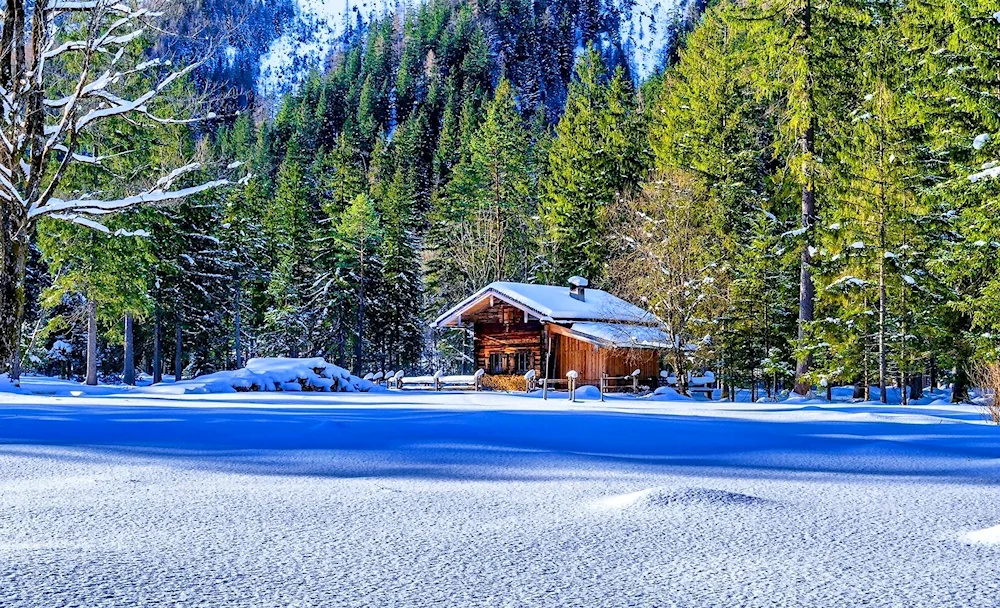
(65, 67)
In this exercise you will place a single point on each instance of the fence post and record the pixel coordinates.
(572, 376)
(478, 377)
(545, 389)
(604, 384)
(635, 381)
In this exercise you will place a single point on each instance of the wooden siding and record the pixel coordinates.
(502, 330)
(592, 361)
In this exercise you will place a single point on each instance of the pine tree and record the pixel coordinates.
(598, 155)
(290, 221)
(953, 49)
(875, 218)
(480, 227)
(359, 235)
(399, 284)
(804, 47)
(708, 122)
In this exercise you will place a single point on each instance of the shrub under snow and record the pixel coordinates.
(273, 374)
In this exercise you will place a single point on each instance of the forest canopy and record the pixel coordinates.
(803, 195)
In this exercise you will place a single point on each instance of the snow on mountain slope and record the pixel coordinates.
(645, 33)
(304, 45)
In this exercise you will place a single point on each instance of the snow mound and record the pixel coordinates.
(272, 374)
(661, 497)
(665, 393)
(6, 386)
(703, 496)
(986, 536)
(588, 392)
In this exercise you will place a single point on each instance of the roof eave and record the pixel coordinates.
(477, 297)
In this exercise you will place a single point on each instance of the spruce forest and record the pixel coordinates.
(803, 193)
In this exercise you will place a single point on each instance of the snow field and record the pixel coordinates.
(449, 499)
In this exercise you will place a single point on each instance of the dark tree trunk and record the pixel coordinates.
(933, 373)
(129, 374)
(882, 367)
(916, 386)
(13, 249)
(340, 344)
(807, 290)
(178, 352)
(236, 327)
(359, 344)
(157, 345)
(960, 389)
(91, 342)
(963, 360)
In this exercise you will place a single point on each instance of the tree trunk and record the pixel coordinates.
(859, 390)
(236, 328)
(157, 345)
(129, 374)
(91, 342)
(178, 343)
(359, 346)
(867, 356)
(916, 386)
(13, 249)
(807, 289)
(960, 388)
(881, 330)
(904, 377)
(806, 296)
(679, 374)
(933, 373)
(340, 343)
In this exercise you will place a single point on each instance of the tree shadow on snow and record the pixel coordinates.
(491, 444)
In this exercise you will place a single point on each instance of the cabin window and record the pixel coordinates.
(522, 361)
(496, 363)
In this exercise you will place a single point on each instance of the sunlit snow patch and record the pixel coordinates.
(986, 536)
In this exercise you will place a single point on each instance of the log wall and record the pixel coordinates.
(501, 330)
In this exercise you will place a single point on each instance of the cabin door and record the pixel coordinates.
(553, 355)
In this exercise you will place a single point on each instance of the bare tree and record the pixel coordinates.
(667, 262)
(66, 66)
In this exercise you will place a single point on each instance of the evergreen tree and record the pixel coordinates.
(480, 230)
(598, 155)
(290, 221)
(359, 236)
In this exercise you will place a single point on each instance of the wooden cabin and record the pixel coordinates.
(519, 327)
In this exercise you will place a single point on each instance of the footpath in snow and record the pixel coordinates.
(416, 498)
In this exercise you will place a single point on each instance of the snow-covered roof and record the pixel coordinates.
(622, 335)
(550, 303)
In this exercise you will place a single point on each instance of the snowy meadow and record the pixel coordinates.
(416, 498)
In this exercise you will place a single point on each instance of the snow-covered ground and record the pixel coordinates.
(126, 498)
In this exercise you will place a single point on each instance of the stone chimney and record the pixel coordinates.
(578, 288)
